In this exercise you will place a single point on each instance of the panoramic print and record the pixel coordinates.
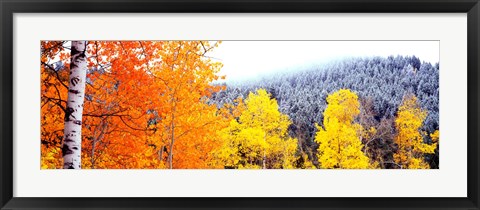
(239, 104)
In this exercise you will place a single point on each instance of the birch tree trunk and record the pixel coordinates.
(72, 139)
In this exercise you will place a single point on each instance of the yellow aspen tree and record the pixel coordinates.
(259, 138)
(338, 139)
(411, 147)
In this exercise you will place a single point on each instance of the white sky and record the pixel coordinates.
(248, 59)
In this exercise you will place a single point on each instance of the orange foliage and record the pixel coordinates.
(139, 96)
(188, 125)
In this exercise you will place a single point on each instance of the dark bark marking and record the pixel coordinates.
(68, 113)
(74, 91)
(73, 64)
(74, 52)
(78, 122)
(68, 140)
(75, 81)
(75, 148)
(77, 54)
(66, 150)
(68, 165)
(82, 56)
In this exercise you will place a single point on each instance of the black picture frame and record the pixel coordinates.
(9, 7)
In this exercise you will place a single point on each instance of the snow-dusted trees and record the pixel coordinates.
(302, 94)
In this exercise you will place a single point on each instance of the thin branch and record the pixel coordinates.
(53, 47)
(108, 114)
(138, 129)
(96, 55)
(56, 101)
(56, 73)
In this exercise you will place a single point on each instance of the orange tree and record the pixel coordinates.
(143, 99)
(186, 125)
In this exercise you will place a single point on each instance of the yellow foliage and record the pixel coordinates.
(51, 158)
(417, 163)
(259, 138)
(435, 136)
(343, 105)
(411, 147)
(339, 142)
(307, 164)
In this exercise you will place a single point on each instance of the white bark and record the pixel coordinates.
(72, 139)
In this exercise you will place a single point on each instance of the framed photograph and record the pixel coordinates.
(239, 105)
